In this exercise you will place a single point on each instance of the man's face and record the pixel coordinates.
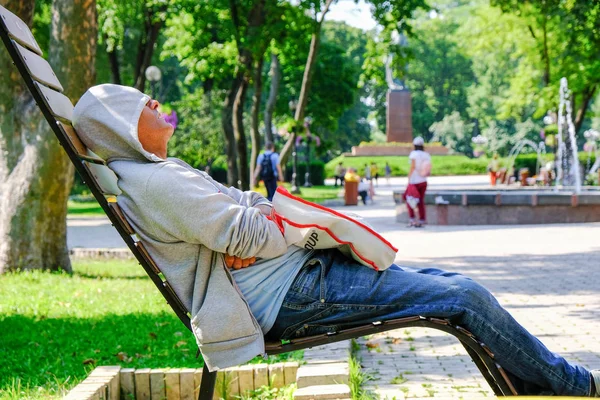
(153, 131)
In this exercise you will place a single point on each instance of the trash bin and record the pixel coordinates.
(350, 193)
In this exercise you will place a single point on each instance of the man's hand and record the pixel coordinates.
(238, 263)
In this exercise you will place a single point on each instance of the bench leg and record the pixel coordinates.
(207, 386)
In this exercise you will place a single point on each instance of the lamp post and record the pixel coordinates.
(293, 104)
(153, 74)
(307, 182)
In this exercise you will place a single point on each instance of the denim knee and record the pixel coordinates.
(470, 295)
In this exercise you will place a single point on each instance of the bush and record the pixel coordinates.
(317, 173)
(442, 165)
(79, 188)
(219, 174)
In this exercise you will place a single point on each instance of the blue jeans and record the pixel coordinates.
(271, 185)
(332, 292)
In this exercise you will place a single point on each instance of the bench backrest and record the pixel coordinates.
(58, 111)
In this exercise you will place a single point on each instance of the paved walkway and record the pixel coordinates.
(545, 275)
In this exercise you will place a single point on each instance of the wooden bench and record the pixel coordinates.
(58, 110)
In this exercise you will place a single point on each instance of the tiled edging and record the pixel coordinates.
(106, 253)
(115, 383)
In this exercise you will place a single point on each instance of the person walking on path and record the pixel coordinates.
(340, 171)
(230, 265)
(388, 172)
(375, 173)
(420, 169)
(268, 169)
(493, 169)
(368, 172)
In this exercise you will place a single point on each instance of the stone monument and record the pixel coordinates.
(399, 109)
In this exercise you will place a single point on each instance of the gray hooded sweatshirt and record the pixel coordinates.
(187, 221)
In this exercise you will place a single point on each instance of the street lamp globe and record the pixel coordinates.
(153, 73)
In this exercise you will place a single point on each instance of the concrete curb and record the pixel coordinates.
(326, 373)
(106, 253)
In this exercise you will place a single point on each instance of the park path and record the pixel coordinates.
(545, 275)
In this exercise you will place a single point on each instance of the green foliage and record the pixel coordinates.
(358, 378)
(439, 74)
(42, 19)
(270, 393)
(317, 172)
(198, 139)
(454, 133)
(57, 327)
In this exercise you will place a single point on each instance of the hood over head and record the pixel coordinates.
(106, 120)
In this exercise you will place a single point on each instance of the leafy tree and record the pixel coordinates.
(438, 75)
(129, 32)
(392, 15)
(454, 133)
(567, 42)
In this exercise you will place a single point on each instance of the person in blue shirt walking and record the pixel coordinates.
(268, 169)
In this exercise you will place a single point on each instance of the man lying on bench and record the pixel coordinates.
(194, 227)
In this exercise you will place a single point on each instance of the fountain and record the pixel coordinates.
(518, 148)
(566, 202)
(592, 137)
(567, 160)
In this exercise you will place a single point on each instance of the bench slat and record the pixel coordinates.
(119, 213)
(18, 30)
(175, 297)
(39, 68)
(147, 258)
(59, 104)
(77, 146)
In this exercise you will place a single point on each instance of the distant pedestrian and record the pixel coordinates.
(268, 169)
(367, 172)
(388, 172)
(363, 190)
(339, 173)
(493, 169)
(420, 169)
(375, 173)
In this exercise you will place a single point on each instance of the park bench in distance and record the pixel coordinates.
(58, 110)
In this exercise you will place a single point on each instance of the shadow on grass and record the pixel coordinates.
(108, 276)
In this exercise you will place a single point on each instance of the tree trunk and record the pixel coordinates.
(35, 174)
(240, 135)
(258, 84)
(587, 96)
(275, 73)
(146, 48)
(315, 42)
(546, 56)
(227, 124)
(113, 60)
(304, 90)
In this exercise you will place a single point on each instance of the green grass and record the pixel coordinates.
(358, 378)
(84, 209)
(441, 165)
(56, 327)
(316, 194)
